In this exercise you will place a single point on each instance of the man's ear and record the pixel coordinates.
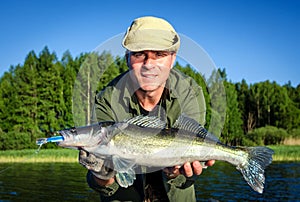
(173, 59)
(127, 57)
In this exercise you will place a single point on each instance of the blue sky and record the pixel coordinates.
(255, 40)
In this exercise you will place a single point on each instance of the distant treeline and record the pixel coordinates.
(46, 94)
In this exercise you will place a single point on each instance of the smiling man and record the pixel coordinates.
(150, 71)
(150, 87)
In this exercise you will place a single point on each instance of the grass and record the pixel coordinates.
(43, 156)
(291, 141)
(282, 153)
(286, 152)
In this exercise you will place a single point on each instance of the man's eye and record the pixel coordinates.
(138, 54)
(161, 54)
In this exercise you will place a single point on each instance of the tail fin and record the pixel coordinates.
(253, 171)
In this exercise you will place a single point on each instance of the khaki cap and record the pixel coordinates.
(151, 33)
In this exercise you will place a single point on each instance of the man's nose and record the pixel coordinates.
(148, 62)
(149, 58)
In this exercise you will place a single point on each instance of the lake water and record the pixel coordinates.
(66, 182)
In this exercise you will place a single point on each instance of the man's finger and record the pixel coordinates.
(197, 167)
(210, 163)
(188, 169)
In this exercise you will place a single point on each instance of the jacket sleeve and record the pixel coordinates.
(114, 192)
(180, 188)
(103, 190)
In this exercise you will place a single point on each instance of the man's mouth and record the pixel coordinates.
(149, 76)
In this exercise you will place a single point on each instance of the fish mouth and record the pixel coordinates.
(69, 140)
(73, 139)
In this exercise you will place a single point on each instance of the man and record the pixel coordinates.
(150, 87)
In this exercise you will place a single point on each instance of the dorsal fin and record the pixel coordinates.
(186, 123)
(146, 121)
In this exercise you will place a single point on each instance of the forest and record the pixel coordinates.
(46, 94)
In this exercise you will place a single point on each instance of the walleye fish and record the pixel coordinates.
(145, 141)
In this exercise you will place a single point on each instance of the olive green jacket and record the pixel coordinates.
(181, 96)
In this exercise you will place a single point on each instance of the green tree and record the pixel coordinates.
(121, 64)
(108, 69)
(292, 117)
(245, 106)
(21, 115)
(7, 93)
(50, 92)
(216, 90)
(272, 105)
(232, 132)
(94, 74)
(69, 72)
(26, 104)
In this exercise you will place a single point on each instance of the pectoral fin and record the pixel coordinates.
(125, 173)
(125, 179)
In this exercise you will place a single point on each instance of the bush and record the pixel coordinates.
(268, 135)
(13, 140)
(247, 142)
(295, 133)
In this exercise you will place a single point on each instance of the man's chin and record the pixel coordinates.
(148, 88)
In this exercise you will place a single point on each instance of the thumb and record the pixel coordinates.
(82, 154)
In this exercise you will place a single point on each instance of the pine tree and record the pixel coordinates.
(91, 76)
(50, 92)
(244, 106)
(7, 94)
(26, 85)
(232, 132)
(216, 90)
(69, 72)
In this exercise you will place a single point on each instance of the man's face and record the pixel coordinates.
(150, 69)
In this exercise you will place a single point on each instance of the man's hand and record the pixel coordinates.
(90, 161)
(101, 168)
(188, 169)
